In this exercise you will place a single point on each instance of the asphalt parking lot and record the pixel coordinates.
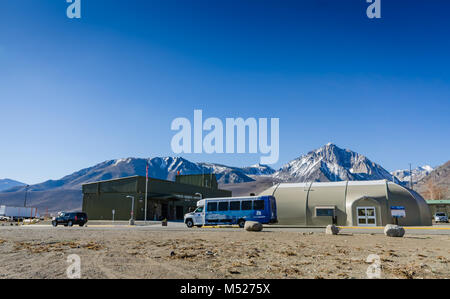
(437, 229)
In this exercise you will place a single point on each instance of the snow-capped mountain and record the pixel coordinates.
(6, 184)
(419, 173)
(258, 169)
(233, 175)
(331, 163)
(165, 168)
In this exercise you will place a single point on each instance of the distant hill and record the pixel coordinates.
(257, 186)
(6, 184)
(418, 173)
(65, 194)
(438, 179)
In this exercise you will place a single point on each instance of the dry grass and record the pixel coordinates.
(211, 254)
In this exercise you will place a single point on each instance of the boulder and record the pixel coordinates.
(332, 230)
(253, 226)
(392, 230)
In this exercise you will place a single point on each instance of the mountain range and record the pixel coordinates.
(6, 184)
(418, 173)
(328, 163)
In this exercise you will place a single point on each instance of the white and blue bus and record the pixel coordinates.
(233, 210)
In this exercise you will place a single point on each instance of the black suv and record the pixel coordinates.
(70, 219)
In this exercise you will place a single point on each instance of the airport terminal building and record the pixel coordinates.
(165, 199)
(349, 203)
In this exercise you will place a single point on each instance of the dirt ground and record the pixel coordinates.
(208, 254)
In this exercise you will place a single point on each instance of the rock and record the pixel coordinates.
(332, 230)
(392, 230)
(253, 226)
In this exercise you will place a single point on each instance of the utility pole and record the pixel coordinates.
(410, 177)
(26, 193)
(146, 191)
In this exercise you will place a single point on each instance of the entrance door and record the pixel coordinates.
(366, 216)
(165, 211)
(180, 212)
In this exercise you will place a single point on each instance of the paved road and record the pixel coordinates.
(443, 229)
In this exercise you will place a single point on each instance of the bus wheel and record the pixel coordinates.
(241, 223)
(189, 223)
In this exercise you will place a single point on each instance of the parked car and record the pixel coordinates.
(440, 217)
(70, 219)
(5, 218)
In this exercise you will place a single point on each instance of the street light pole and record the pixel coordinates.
(146, 194)
(26, 193)
(410, 177)
(132, 209)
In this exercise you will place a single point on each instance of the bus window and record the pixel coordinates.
(235, 205)
(246, 205)
(212, 206)
(258, 205)
(223, 206)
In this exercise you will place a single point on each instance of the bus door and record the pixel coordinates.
(199, 216)
(273, 209)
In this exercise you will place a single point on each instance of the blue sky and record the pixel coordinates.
(74, 93)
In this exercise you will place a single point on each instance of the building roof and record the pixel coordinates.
(439, 202)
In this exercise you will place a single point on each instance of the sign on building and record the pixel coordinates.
(398, 212)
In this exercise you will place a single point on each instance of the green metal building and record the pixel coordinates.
(165, 199)
(439, 206)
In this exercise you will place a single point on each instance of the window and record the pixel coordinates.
(258, 205)
(199, 210)
(212, 206)
(246, 205)
(324, 212)
(223, 206)
(235, 205)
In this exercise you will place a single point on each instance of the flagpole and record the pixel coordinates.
(146, 189)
